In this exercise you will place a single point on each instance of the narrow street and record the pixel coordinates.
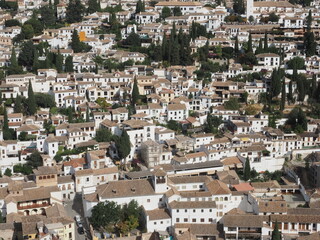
(74, 208)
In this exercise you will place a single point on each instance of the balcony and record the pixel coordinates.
(34, 205)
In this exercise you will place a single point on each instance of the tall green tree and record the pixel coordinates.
(93, 6)
(75, 42)
(26, 55)
(123, 145)
(135, 95)
(309, 39)
(18, 107)
(276, 235)
(69, 64)
(140, 6)
(166, 12)
(105, 215)
(250, 44)
(14, 68)
(32, 106)
(238, 7)
(283, 95)
(247, 170)
(236, 46)
(59, 62)
(260, 47)
(5, 127)
(265, 43)
(275, 87)
(74, 11)
(48, 15)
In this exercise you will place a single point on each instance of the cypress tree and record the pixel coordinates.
(283, 95)
(18, 104)
(135, 93)
(74, 11)
(260, 47)
(5, 127)
(265, 45)
(32, 106)
(247, 170)
(236, 46)
(175, 56)
(93, 6)
(250, 43)
(75, 42)
(59, 62)
(276, 235)
(140, 6)
(87, 115)
(290, 94)
(123, 145)
(35, 65)
(14, 68)
(69, 64)
(309, 40)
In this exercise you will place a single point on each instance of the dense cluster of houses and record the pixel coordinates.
(189, 185)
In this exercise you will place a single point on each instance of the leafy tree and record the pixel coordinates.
(93, 6)
(34, 160)
(232, 104)
(251, 19)
(140, 6)
(26, 55)
(48, 16)
(173, 125)
(27, 31)
(123, 145)
(105, 215)
(166, 12)
(24, 169)
(23, 136)
(276, 234)
(238, 7)
(273, 17)
(8, 172)
(74, 11)
(177, 11)
(297, 120)
(18, 105)
(103, 135)
(7, 134)
(296, 63)
(11, 23)
(36, 25)
(247, 170)
(69, 64)
(14, 68)
(131, 209)
(44, 100)
(212, 124)
(135, 95)
(31, 103)
(133, 40)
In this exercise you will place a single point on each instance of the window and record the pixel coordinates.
(148, 200)
(194, 220)
(202, 220)
(177, 219)
(185, 219)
